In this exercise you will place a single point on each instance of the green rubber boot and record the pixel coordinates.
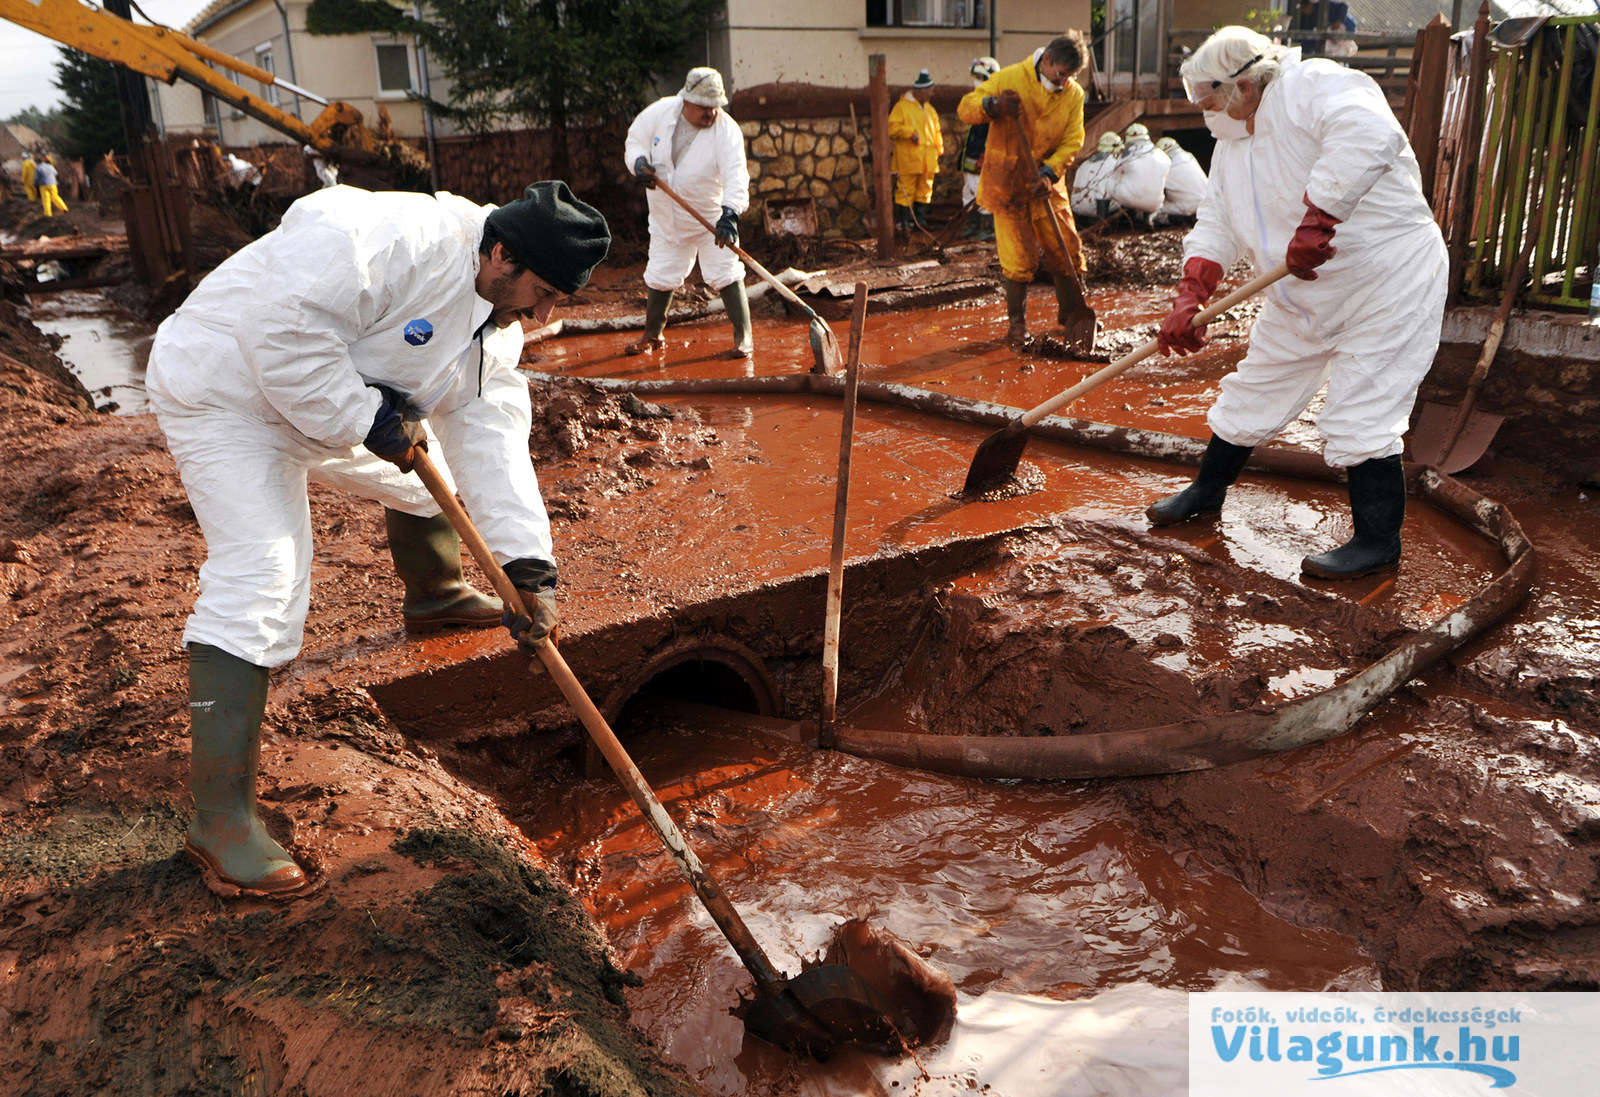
(427, 557)
(227, 697)
(656, 304)
(737, 303)
(1016, 311)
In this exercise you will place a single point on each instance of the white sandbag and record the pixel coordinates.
(1141, 176)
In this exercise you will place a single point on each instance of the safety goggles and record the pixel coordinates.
(1199, 91)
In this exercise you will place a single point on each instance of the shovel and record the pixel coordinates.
(1454, 438)
(824, 346)
(1079, 323)
(997, 456)
(822, 1008)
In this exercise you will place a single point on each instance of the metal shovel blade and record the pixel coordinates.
(996, 460)
(1431, 441)
(824, 347)
(1079, 328)
(821, 1010)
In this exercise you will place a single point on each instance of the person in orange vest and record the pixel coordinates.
(918, 143)
(1020, 186)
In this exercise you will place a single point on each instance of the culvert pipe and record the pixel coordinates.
(1203, 742)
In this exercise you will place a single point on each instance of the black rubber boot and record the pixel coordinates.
(920, 212)
(427, 557)
(974, 228)
(737, 304)
(656, 304)
(1219, 468)
(227, 697)
(1016, 310)
(902, 217)
(1377, 507)
(988, 226)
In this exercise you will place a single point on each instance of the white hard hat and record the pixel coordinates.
(1136, 131)
(984, 67)
(1227, 55)
(1109, 142)
(703, 87)
(1167, 144)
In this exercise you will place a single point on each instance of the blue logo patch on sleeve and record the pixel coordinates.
(418, 332)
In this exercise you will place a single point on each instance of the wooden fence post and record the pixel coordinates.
(884, 199)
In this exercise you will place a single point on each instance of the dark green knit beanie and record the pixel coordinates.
(553, 234)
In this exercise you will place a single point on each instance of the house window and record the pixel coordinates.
(269, 92)
(396, 73)
(928, 13)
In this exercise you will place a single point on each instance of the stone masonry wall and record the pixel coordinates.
(816, 158)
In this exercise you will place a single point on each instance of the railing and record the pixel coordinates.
(1537, 166)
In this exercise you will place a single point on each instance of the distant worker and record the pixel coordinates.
(1091, 183)
(1186, 184)
(1021, 186)
(918, 143)
(1322, 15)
(1311, 169)
(1141, 177)
(980, 225)
(30, 172)
(691, 144)
(326, 350)
(46, 180)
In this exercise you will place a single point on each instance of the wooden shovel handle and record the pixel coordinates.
(835, 602)
(760, 270)
(1100, 377)
(716, 903)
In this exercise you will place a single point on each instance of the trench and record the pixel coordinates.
(105, 346)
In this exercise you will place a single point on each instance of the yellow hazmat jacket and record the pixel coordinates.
(1054, 119)
(913, 119)
(29, 168)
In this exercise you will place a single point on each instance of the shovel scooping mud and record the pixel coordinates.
(828, 1005)
(824, 344)
(996, 460)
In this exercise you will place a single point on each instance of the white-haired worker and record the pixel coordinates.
(1311, 168)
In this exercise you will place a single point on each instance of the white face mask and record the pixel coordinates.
(1225, 127)
(1049, 85)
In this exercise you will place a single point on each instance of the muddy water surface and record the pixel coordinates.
(105, 346)
(1026, 895)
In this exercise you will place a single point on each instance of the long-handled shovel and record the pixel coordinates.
(830, 627)
(1454, 438)
(824, 345)
(818, 1010)
(1078, 323)
(997, 456)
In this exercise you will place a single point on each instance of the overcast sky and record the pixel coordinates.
(28, 60)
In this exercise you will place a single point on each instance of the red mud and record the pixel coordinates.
(1449, 842)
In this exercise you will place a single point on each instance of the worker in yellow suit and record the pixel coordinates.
(918, 142)
(49, 193)
(1020, 186)
(28, 169)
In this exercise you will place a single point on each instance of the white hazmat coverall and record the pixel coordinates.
(713, 174)
(1369, 323)
(1091, 184)
(260, 383)
(1185, 186)
(1141, 176)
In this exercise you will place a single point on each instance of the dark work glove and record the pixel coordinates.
(1178, 334)
(1048, 174)
(728, 227)
(396, 434)
(536, 618)
(1008, 104)
(643, 171)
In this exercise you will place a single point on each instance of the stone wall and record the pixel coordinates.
(816, 158)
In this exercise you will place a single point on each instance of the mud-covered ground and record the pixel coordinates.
(1456, 834)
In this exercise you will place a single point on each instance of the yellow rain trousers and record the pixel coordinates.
(915, 162)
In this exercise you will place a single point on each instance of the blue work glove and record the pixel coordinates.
(728, 227)
(396, 434)
(643, 171)
(536, 618)
(1048, 174)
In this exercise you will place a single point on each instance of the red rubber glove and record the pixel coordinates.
(1178, 335)
(1312, 243)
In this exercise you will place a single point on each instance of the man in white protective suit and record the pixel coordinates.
(315, 353)
(1311, 169)
(688, 141)
(1185, 187)
(1091, 182)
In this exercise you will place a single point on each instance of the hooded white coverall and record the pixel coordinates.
(1141, 176)
(1185, 186)
(260, 382)
(713, 174)
(1369, 323)
(1091, 183)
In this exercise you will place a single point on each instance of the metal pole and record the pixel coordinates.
(427, 111)
(994, 24)
(288, 55)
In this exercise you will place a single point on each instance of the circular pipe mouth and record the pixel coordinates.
(712, 670)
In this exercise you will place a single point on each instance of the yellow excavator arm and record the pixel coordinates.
(170, 55)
